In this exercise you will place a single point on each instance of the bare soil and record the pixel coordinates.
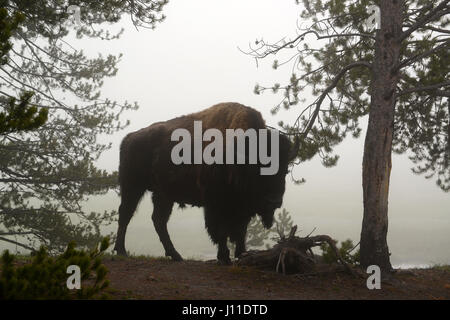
(160, 278)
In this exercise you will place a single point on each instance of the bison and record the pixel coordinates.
(231, 194)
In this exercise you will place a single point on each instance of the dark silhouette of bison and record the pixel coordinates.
(231, 194)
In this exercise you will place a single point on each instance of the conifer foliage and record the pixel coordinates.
(395, 72)
(51, 113)
(45, 277)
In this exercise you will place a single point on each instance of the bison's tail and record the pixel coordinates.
(125, 168)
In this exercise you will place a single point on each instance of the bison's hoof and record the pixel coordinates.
(239, 255)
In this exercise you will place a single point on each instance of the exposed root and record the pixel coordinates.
(292, 255)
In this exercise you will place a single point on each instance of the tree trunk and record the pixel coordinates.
(378, 143)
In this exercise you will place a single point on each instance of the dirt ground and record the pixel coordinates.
(160, 278)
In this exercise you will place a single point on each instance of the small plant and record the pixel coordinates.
(283, 225)
(46, 277)
(441, 267)
(345, 251)
(257, 235)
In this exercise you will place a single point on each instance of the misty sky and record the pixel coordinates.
(190, 62)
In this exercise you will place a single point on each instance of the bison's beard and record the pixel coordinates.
(267, 211)
(267, 218)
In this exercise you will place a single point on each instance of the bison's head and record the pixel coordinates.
(272, 187)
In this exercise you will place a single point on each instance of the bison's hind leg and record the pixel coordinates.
(162, 208)
(129, 201)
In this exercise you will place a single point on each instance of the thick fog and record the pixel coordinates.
(192, 61)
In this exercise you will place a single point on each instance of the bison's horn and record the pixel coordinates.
(293, 152)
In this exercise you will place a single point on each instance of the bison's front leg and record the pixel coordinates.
(238, 235)
(223, 254)
(216, 225)
(162, 208)
(240, 247)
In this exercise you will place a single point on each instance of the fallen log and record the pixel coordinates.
(291, 255)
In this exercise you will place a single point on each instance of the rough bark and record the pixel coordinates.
(378, 143)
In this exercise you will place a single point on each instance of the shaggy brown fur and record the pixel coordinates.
(230, 194)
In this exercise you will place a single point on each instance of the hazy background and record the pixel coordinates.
(190, 62)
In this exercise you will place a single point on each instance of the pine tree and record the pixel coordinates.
(16, 116)
(397, 73)
(45, 277)
(46, 174)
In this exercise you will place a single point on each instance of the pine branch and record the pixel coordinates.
(431, 28)
(417, 57)
(17, 243)
(300, 37)
(434, 14)
(330, 88)
(442, 93)
(425, 88)
(15, 233)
